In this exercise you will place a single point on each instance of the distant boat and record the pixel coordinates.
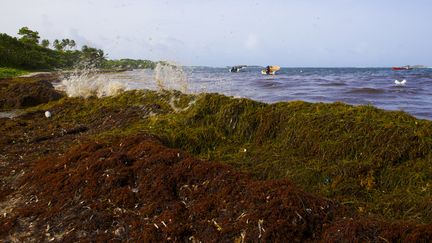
(236, 69)
(408, 67)
(270, 70)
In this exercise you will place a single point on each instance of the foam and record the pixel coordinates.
(88, 83)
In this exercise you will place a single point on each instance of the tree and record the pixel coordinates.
(58, 45)
(45, 43)
(72, 44)
(64, 43)
(29, 36)
(92, 56)
(16, 54)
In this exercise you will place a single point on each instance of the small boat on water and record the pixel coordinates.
(236, 69)
(270, 70)
(408, 67)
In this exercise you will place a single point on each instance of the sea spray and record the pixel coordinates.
(87, 82)
(170, 76)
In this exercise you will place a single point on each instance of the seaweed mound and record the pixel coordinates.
(370, 160)
(26, 92)
(135, 189)
(373, 165)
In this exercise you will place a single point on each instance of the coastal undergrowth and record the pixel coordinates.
(11, 72)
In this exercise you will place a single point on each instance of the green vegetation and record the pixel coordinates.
(17, 54)
(28, 54)
(371, 160)
(11, 72)
(61, 45)
(128, 64)
(28, 36)
(45, 43)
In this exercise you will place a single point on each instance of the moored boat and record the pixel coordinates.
(402, 68)
(236, 69)
(270, 70)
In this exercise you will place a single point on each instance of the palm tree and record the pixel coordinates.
(45, 43)
(64, 43)
(72, 44)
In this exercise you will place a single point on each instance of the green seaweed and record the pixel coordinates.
(372, 160)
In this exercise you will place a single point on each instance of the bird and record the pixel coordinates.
(403, 82)
(47, 114)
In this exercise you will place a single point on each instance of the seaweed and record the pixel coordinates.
(369, 159)
(26, 92)
(135, 189)
(372, 162)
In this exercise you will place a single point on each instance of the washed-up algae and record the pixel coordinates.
(374, 160)
(368, 160)
(135, 189)
(26, 92)
(371, 160)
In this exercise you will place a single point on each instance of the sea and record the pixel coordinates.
(380, 87)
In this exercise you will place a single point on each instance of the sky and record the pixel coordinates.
(289, 33)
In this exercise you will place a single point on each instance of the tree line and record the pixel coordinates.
(30, 53)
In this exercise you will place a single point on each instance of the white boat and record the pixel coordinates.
(236, 69)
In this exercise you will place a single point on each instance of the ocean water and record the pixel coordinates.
(356, 86)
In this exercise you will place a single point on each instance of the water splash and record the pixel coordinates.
(170, 76)
(88, 82)
(173, 100)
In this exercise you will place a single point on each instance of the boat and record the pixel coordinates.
(236, 69)
(270, 70)
(407, 67)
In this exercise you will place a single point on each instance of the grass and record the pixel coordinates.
(371, 160)
(11, 72)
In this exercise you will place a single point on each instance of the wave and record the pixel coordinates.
(365, 91)
(268, 84)
(333, 84)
